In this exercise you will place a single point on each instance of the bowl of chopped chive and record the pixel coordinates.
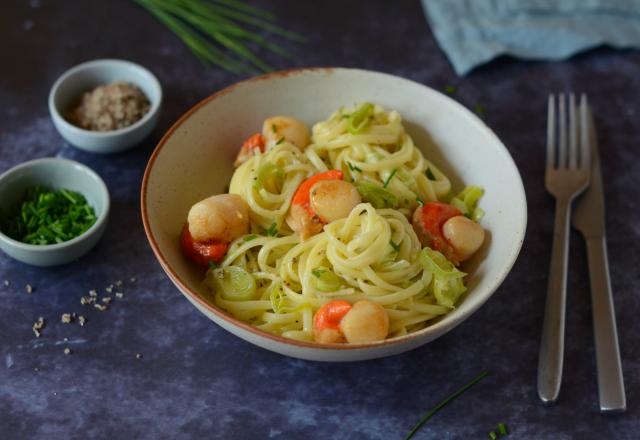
(105, 106)
(52, 211)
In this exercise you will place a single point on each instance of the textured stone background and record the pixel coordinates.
(194, 379)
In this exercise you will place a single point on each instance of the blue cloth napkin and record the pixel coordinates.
(472, 32)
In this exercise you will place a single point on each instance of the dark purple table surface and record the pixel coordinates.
(195, 380)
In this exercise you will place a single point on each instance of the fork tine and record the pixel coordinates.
(562, 139)
(573, 133)
(551, 132)
(585, 141)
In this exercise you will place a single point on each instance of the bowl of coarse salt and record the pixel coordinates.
(105, 106)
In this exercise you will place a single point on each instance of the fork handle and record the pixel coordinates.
(552, 345)
(610, 380)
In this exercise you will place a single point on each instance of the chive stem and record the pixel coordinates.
(386, 182)
(444, 403)
(217, 32)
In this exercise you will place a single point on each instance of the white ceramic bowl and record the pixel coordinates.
(83, 77)
(194, 160)
(54, 173)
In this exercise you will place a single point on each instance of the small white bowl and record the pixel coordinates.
(54, 173)
(84, 77)
(195, 160)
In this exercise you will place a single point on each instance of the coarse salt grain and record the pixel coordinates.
(37, 326)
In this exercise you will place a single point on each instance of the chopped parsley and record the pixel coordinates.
(394, 245)
(386, 182)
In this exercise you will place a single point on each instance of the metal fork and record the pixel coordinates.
(567, 175)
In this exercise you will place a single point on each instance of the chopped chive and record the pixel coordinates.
(450, 90)
(47, 216)
(395, 246)
(479, 109)
(273, 230)
(444, 403)
(502, 429)
(430, 174)
(273, 128)
(353, 167)
(65, 193)
(493, 435)
(420, 201)
(250, 237)
(281, 140)
(213, 265)
(317, 272)
(386, 182)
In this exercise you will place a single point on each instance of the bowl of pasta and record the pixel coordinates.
(333, 214)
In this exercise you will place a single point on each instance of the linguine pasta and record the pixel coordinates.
(373, 253)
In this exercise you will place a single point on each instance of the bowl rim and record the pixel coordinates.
(100, 219)
(65, 76)
(194, 297)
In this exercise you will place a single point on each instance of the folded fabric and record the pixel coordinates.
(472, 32)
